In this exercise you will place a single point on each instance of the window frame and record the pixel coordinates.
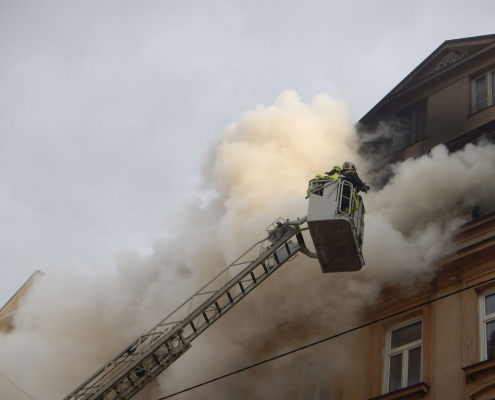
(489, 90)
(484, 319)
(412, 113)
(404, 350)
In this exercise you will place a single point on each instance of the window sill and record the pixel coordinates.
(480, 111)
(409, 393)
(412, 144)
(473, 370)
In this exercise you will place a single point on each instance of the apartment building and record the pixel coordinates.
(440, 341)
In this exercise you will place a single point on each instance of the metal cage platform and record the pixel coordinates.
(336, 224)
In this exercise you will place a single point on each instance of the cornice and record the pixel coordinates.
(404, 88)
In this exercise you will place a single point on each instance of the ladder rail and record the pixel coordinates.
(162, 345)
(163, 322)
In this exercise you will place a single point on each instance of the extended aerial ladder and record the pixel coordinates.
(336, 223)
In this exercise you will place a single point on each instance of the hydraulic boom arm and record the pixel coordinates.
(151, 353)
(336, 223)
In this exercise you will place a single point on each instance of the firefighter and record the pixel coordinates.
(316, 178)
(350, 175)
(335, 172)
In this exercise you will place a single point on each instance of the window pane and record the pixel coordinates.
(489, 304)
(481, 98)
(490, 340)
(420, 124)
(395, 373)
(414, 366)
(480, 83)
(408, 334)
(493, 87)
(405, 132)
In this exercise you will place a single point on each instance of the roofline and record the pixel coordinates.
(450, 41)
(18, 290)
(470, 37)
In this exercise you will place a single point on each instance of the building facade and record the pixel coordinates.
(439, 342)
(447, 99)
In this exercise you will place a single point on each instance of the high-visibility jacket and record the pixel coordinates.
(335, 172)
(317, 177)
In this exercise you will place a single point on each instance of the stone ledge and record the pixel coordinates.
(411, 392)
(475, 369)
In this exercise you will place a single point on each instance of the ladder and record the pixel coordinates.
(151, 353)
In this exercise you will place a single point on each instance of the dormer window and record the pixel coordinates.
(412, 127)
(484, 91)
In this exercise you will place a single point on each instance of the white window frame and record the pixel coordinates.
(484, 319)
(405, 353)
(489, 93)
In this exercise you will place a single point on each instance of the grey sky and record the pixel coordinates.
(107, 107)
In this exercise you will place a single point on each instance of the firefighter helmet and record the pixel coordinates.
(348, 165)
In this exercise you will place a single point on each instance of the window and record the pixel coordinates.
(487, 307)
(484, 91)
(404, 354)
(412, 128)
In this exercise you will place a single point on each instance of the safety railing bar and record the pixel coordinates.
(244, 262)
(122, 361)
(211, 291)
(169, 323)
(211, 281)
(319, 182)
(151, 334)
(93, 387)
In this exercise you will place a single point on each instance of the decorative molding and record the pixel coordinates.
(450, 58)
(480, 378)
(484, 366)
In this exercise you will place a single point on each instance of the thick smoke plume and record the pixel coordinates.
(69, 326)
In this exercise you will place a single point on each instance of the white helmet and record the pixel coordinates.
(348, 165)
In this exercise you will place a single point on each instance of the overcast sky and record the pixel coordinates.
(106, 107)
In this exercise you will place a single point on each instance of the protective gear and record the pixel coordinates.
(348, 165)
(355, 202)
(335, 172)
(317, 177)
(351, 176)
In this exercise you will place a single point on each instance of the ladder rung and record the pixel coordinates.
(171, 348)
(230, 297)
(252, 276)
(192, 325)
(156, 359)
(206, 318)
(242, 287)
(218, 307)
(264, 267)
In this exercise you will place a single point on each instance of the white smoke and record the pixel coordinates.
(69, 326)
